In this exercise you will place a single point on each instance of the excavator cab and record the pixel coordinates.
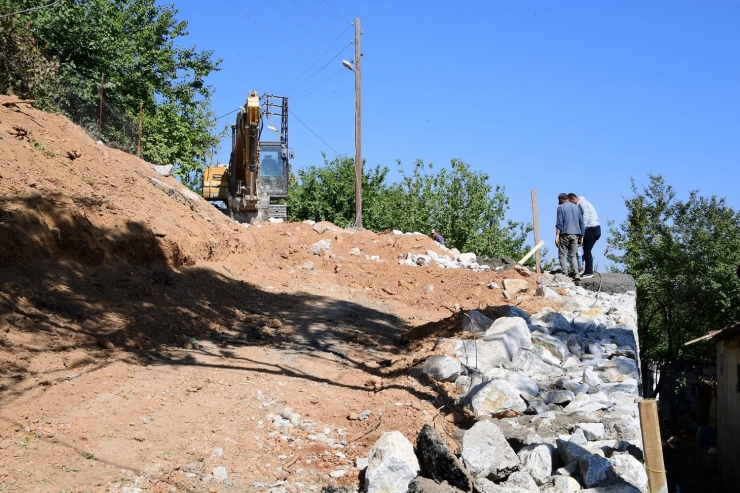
(273, 177)
(255, 184)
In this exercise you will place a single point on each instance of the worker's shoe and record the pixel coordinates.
(587, 276)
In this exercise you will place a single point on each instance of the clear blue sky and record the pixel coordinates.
(551, 96)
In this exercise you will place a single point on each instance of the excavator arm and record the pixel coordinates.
(244, 160)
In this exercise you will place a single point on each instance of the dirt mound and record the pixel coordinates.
(146, 339)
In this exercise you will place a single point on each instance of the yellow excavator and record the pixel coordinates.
(254, 185)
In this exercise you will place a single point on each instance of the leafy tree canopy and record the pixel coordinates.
(134, 43)
(683, 256)
(458, 202)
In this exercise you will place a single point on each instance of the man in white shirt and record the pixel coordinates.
(592, 234)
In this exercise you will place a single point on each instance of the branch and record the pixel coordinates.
(29, 10)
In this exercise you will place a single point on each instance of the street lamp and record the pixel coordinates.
(355, 67)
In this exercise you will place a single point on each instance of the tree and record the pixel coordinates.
(462, 206)
(458, 202)
(327, 193)
(683, 256)
(133, 42)
(24, 70)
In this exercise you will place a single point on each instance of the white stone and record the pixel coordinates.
(591, 377)
(392, 464)
(630, 469)
(321, 246)
(516, 285)
(521, 382)
(512, 333)
(592, 431)
(531, 365)
(496, 396)
(585, 403)
(547, 292)
(486, 453)
(553, 345)
(565, 484)
(477, 355)
(536, 459)
(466, 258)
(619, 368)
(442, 367)
(520, 479)
(164, 170)
(220, 473)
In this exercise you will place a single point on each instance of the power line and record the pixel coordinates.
(332, 11)
(309, 129)
(314, 88)
(295, 22)
(317, 60)
(29, 10)
(314, 18)
(265, 29)
(227, 114)
(317, 71)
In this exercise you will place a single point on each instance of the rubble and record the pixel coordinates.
(456, 261)
(554, 396)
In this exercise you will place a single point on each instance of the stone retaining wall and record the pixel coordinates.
(554, 398)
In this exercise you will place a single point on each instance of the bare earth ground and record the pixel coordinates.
(146, 339)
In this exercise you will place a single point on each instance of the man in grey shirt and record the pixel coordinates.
(569, 229)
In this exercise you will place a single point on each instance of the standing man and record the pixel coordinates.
(569, 229)
(592, 234)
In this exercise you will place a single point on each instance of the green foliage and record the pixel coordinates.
(133, 42)
(458, 202)
(683, 256)
(24, 70)
(327, 193)
(462, 206)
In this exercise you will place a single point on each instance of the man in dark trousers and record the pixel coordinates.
(569, 229)
(592, 234)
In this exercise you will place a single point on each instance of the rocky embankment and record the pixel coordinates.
(552, 398)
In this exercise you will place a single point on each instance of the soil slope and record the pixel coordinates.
(147, 341)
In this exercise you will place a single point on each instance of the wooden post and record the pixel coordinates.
(535, 223)
(652, 446)
(532, 252)
(100, 116)
(141, 116)
(358, 128)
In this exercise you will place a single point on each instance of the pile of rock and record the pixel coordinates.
(456, 261)
(553, 396)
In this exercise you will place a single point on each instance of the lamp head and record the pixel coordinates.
(348, 65)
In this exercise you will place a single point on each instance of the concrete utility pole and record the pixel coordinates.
(358, 128)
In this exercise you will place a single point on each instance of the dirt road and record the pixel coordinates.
(149, 343)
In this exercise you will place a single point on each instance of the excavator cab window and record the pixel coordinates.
(273, 172)
(270, 164)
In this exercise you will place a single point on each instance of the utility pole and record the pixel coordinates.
(358, 128)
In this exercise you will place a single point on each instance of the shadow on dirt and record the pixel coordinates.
(65, 283)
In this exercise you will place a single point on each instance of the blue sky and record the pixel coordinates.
(540, 95)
